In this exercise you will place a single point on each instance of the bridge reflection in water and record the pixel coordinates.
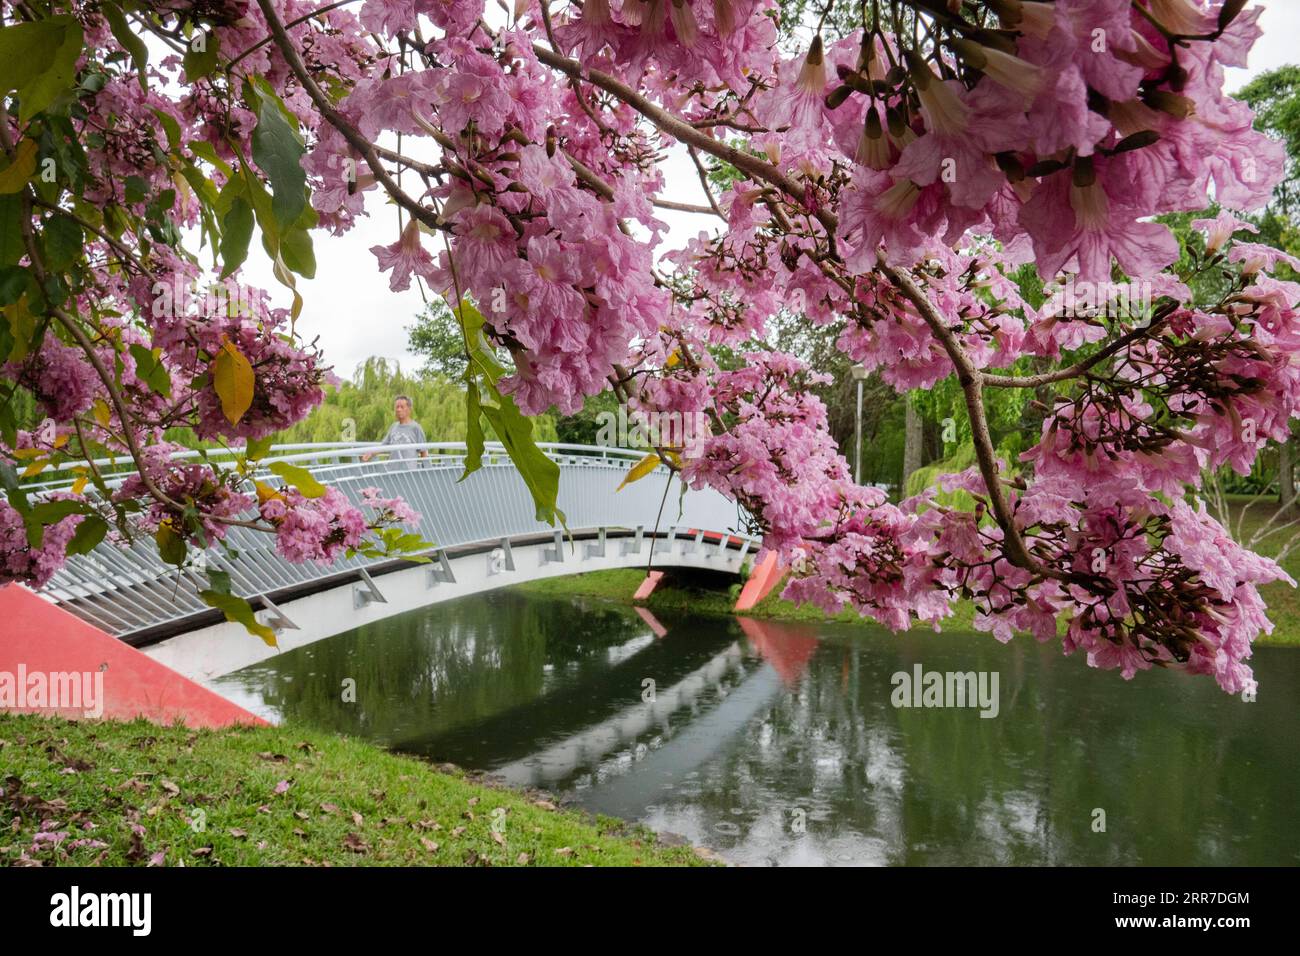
(777, 743)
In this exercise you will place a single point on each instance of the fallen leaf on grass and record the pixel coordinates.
(429, 844)
(237, 833)
(353, 843)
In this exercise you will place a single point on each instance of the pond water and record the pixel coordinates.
(779, 743)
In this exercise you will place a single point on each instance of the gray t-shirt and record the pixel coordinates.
(408, 434)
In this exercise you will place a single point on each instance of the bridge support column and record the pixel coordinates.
(439, 571)
(556, 553)
(501, 559)
(366, 592)
(274, 618)
(596, 550)
(634, 546)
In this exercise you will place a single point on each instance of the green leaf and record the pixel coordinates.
(171, 547)
(474, 429)
(8, 424)
(220, 580)
(257, 448)
(206, 151)
(481, 360)
(50, 512)
(540, 473)
(38, 60)
(90, 531)
(278, 151)
(130, 42)
(11, 233)
(170, 126)
(150, 370)
(200, 62)
(300, 478)
(13, 490)
(296, 251)
(238, 611)
(236, 231)
(63, 242)
(13, 283)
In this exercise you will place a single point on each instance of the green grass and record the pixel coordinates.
(134, 793)
(1282, 599)
(683, 592)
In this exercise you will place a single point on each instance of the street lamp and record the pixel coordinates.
(859, 373)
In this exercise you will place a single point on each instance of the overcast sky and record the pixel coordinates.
(351, 308)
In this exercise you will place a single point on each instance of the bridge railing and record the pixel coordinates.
(124, 587)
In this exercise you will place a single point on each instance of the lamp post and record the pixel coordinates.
(859, 373)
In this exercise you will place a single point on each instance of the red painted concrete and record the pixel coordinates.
(39, 638)
(764, 577)
(651, 621)
(648, 585)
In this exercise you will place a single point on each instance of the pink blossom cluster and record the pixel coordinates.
(21, 562)
(389, 510)
(313, 529)
(197, 488)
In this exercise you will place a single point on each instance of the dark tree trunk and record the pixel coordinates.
(1286, 473)
(913, 438)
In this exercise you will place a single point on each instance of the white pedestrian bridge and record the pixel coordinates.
(484, 532)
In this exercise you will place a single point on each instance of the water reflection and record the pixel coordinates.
(777, 743)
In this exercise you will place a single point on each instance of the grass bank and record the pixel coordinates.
(134, 794)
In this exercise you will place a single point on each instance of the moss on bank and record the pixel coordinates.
(122, 794)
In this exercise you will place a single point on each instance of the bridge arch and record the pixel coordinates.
(484, 528)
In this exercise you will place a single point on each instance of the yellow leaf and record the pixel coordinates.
(61, 440)
(79, 485)
(20, 170)
(638, 471)
(102, 414)
(265, 492)
(35, 468)
(233, 379)
(27, 452)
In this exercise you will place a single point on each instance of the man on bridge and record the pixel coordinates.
(404, 431)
